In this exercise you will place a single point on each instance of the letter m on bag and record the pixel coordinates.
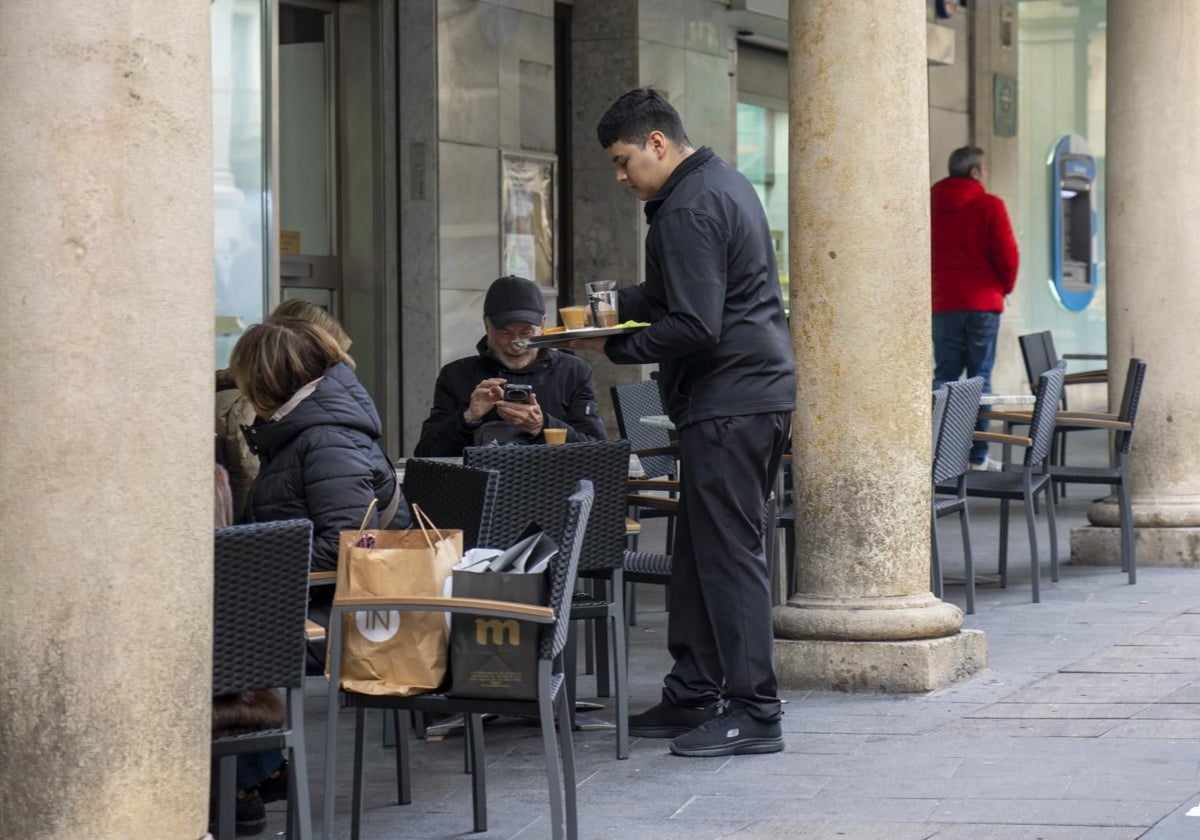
(501, 632)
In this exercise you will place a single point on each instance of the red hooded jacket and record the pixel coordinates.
(974, 252)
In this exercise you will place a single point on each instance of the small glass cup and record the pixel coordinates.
(554, 436)
(573, 317)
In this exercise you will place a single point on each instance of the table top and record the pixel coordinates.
(658, 421)
(1096, 357)
(1007, 399)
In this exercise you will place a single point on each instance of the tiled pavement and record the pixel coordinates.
(1086, 724)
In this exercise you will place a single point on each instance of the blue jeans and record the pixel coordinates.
(966, 341)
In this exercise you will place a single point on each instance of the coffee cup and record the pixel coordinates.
(555, 435)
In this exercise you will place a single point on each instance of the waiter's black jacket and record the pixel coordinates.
(711, 295)
(561, 382)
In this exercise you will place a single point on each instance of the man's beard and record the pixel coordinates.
(510, 362)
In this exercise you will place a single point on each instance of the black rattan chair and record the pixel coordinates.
(260, 596)
(572, 519)
(454, 496)
(534, 479)
(1022, 482)
(951, 453)
(1116, 474)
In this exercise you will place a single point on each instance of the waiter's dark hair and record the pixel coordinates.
(632, 117)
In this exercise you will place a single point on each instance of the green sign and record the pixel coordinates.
(1004, 105)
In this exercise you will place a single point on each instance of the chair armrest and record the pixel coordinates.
(1065, 416)
(673, 449)
(322, 578)
(1084, 377)
(480, 606)
(313, 632)
(1096, 423)
(654, 484)
(1007, 416)
(997, 437)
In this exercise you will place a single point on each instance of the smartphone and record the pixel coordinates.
(517, 393)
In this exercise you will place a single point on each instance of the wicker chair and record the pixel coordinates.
(552, 697)
(534, 479)
(260, 596)
(952, 449)
(454, 496)
(1116, 474)
(1022, 482)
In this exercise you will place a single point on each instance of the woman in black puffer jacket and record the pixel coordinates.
(317, 440)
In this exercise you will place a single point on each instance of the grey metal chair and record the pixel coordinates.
(956, 406)
(1022, 482)
(553, 621)
(260, 597)
(534, 478)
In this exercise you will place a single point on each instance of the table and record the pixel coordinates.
(1007, 399)
(658, 421)
(1095, 357)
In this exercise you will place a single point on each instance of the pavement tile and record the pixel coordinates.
(1074, 711)
(1072, 812)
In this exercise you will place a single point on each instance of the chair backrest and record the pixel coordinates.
(454, 496)
(953, 450)
(535, 479)
(575, 517)
(1134, 378)
(1036, 356)
(1045, 412)
(260, 599)
(939, 410)
(639, 399)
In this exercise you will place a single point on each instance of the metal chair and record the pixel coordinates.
(956, 405)
(454, 496)
(534, 479)
(553, 619)
(260, 596)
(1022, 482)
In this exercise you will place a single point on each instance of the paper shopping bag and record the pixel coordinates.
(389, 651)
(497, 657)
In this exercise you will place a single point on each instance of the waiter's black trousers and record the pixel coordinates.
(719, 631)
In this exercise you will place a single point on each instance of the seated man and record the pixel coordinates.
(470, 392)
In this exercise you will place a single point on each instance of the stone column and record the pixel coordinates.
(106, 309)
(1153, 300)
(864, 616)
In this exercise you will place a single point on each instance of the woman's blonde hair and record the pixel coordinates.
(304, 310)
(275, 359)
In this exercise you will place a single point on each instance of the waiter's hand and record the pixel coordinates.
(525, 416)
(592, 345)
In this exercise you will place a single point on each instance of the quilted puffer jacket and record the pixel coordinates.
(322, 461)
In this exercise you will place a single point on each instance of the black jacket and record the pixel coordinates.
(561, 382)
(711, 295)
(322, 461)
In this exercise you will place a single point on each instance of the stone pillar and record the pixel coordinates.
(106, 309)
(1153, 299)
(864, 616)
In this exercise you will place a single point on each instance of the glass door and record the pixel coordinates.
(309, 263)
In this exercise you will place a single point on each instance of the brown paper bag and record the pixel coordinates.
(393, 652)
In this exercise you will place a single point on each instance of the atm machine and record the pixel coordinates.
(1074, 258)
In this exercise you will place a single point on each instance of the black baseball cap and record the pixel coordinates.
(511, 299)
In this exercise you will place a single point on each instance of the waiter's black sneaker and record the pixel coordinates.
(666, 720)
(734, 732)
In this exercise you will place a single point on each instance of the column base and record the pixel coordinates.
(912, 666)
(1094, 545)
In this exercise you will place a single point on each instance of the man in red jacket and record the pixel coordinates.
(974, 267)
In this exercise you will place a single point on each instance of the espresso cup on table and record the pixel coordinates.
(554, 436)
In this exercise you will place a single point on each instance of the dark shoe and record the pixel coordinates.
(735, 732)
(666, 720)
(249, 819)
(275, 787)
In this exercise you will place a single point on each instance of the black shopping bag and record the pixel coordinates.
(497, 658)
